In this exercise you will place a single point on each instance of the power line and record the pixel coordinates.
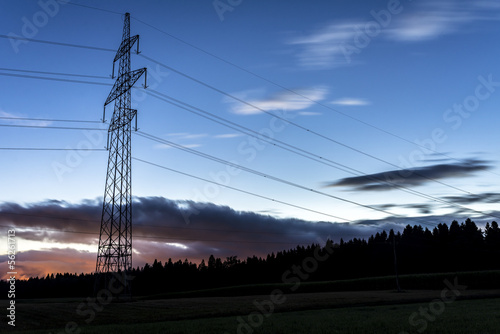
(100, 9)
(49, 149)
(268, 176)
(236, 166)
(255, 172)
(270, 81)
(246, 169)
(101, 77)
(74, 128)
(242, 129)
(259, 137)
(277, 143)
(50, 127)
(56, 43)
(239, 190)
(243, 69)
(55, 73)
(319, 159)
(55, 79)
(48, 119)
(281, 202)
(293, 123)
(308, 130)
(148, 136)
(209, 181)
(298, 93)
(244, 102)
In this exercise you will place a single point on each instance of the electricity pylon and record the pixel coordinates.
(115, 240)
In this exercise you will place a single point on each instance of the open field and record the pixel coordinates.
(474, 280)
(341, 312)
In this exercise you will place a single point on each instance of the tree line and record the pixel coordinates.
(458, 247)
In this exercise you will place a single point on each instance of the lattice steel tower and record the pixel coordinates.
(115, 240)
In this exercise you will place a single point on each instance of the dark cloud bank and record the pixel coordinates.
(164, 229)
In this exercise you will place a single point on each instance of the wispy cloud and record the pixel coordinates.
(431, 20)
(412, 177)
(166, 146)
(487, 4)
(285, 100)
(332, 44)
(228, 135)
(458, 203)
(475, 198)
(187, 135)
(180, 138)
(9, 118)
(324, 47)
(309, 113)
(186, 139)
(422, 208)
(349, 101)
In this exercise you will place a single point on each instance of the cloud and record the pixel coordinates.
(179, 229)
(228, 135)
(433, 19)
(457, 203)
(348, 101)
(187, 136)
(487, 4)
(183, 136)
(412, 177)
(285, 100)
(325, 47)
(332, 44)
(309, 113)
(9, 119)
(429, 221)
(422, 208)
(474, 198)
(166, 146)
(162, 229)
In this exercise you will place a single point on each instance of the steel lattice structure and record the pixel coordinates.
(115, 239)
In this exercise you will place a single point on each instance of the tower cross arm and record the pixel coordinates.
(126, 45)
(123, 83)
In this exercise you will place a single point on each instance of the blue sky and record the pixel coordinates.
(361, 82)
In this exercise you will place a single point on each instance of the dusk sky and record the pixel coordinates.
(385, 114)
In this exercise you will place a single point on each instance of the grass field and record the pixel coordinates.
(332, 312)
(473, 280)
